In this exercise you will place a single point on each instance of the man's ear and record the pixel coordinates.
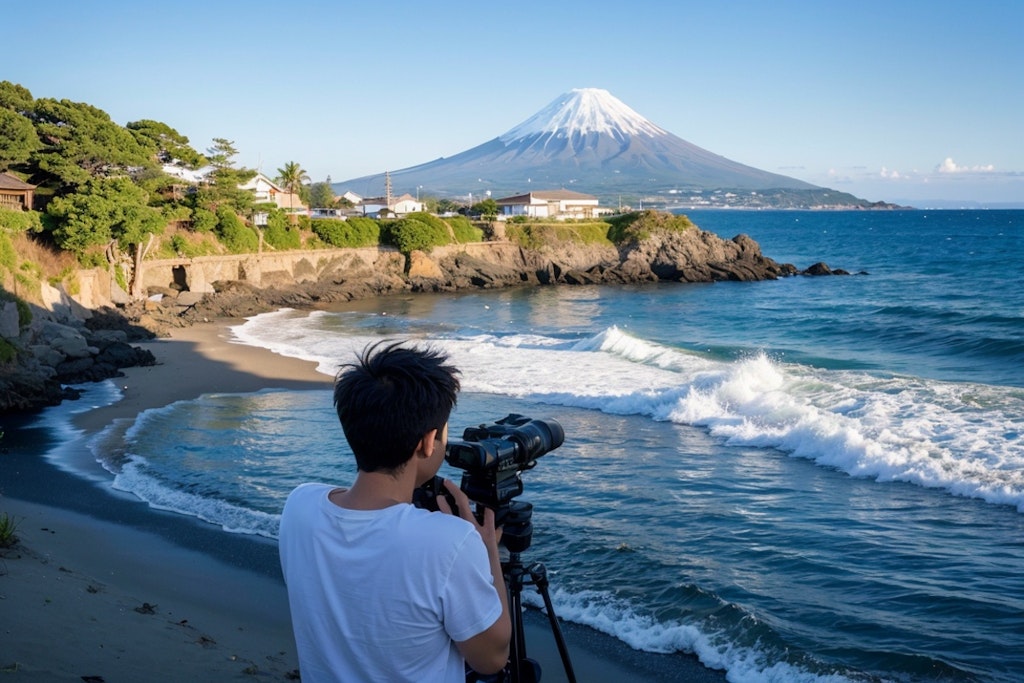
(427, 444)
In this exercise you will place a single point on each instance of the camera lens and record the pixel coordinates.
(537, 437)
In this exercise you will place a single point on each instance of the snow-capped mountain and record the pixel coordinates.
(582, 111)
(585, 140)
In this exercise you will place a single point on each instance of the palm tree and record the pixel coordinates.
(292, 177)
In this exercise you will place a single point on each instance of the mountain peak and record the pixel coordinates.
(582, 111)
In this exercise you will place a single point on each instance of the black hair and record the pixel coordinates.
(390, 399)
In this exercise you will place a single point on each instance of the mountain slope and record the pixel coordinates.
(586, 140)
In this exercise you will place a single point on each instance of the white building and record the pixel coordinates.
(375, 206)
(266, 190)
(550, 204)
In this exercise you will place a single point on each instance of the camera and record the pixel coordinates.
(492, 457)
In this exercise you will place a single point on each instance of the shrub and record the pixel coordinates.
(203, 220)
(430, 219)
(355, 232)
(179, 245)
(187, 244)
(20, 221)
(8, 527)
(279, 232)
(464, 230)
(7, 351)
(410, 234)
(8, 256)
(236, 236)
(639, 225)
(366, 231)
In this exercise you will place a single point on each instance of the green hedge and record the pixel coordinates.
(410, 234)
(354, 232)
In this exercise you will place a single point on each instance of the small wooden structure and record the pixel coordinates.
(15, 194)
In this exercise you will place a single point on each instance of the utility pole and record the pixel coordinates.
(387, 189)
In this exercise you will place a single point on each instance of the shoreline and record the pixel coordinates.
(74, 593)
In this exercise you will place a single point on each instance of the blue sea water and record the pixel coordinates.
(808, 479)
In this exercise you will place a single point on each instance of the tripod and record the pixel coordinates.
(516, 536)
(522, 669)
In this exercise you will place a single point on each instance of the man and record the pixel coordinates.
(380, 590)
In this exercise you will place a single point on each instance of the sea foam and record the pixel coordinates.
(956, 437)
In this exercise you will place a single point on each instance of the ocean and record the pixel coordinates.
(809, 479)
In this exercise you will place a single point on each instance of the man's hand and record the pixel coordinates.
(488, 533)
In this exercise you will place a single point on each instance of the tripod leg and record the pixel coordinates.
(517, 649)
(521, 669)
(539, 574)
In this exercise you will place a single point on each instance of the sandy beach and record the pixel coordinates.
(102, 588)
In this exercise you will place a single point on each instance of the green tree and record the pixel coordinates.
(222, 154)
(292, 177)
(446, 205)
(105, 210)
(171, 147)
(80, 143)
(223, 183)
(321, 195)
(16, 98)
(487, 208)
(18, 140)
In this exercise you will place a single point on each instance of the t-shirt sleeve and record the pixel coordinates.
(471, 602)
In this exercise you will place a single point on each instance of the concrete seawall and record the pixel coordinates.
(196, 275)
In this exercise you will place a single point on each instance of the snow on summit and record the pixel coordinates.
(582, 111)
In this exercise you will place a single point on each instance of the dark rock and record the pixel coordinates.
(822, 269)
(818, 269)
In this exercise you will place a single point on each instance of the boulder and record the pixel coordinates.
(9, 320)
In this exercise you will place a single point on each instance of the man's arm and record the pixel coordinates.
(486, 652)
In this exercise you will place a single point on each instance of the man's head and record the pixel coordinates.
(390, 399)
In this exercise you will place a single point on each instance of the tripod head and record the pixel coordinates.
(514, 518)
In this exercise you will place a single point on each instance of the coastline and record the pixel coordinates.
(103, 586)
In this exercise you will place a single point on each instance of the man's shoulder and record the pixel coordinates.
(309, 488)
(307, 492)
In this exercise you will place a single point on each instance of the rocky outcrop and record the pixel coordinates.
(699, 256)
(57, 350)
(68, 344)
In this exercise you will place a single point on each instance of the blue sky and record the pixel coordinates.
(904, 101)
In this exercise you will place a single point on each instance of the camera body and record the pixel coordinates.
(492, 457)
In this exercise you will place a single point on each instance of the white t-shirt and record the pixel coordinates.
(380, 595)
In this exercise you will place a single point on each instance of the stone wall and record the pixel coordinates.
(198, 275)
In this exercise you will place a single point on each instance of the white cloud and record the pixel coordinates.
(950, 166)
(892, 175)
